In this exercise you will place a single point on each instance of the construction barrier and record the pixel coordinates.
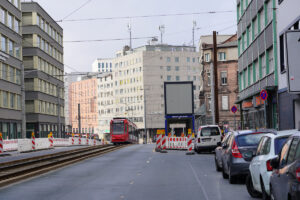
(158, 141)
(33, 141)
(60, 142)
(164, 142)
(79, 139)
(177, 143)
(190, 145)
(1, 143)
(10, 145)
(50, 137)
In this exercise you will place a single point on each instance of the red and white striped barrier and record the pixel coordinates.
(158, 141)
(50, 137)
(177, 143)
(190, 145)
(164, 142)
(73, 141)
(94, 142)
(1, 143)
(79, 139)
(33, 140)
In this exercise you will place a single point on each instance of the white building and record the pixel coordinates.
(102, 65)
(138, 78)
(288, 18)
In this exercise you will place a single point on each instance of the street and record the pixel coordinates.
(134, 173)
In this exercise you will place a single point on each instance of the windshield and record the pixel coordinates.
(210, 131)
(249, 139)
(279, 142)
(118, 128)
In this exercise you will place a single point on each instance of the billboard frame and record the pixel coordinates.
(165, 97)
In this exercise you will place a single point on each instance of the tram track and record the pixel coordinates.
(18, 170)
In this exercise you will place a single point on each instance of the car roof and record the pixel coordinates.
(209, 126)
(245, 132)
(296, 133)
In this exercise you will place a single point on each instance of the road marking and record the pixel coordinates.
(199, 182)
(131, 182)
(148, 161)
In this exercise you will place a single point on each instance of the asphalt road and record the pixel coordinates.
(132, 173)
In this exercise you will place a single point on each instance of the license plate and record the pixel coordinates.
(206, 140)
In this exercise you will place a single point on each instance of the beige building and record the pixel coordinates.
(138, 82)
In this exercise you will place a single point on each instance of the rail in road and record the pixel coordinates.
(14, 171)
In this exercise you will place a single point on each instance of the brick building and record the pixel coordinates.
(227, 81)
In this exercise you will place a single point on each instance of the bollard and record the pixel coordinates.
(72, 138)
(33, 140)
(189, 145)
(1, 143)
(79, 139)
(50, 137)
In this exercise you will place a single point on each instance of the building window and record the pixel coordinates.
(176, 59)
(189, 78)
(168, 68)
(246, 78)
(177, 68)
(177, 78)
(3, 43)
(2, 15)
(5, 99)
(241, 81)
(269, 11)
(194, 60)
(209, 103)
(10, 21)
(168, 59)
(256, 68)
(225, 102)
(11, 47)
(271, 60)
(222, 56)
(261, 22)
(263, 65)
(250, 74)
(194, 78)
(188, 59)
(255, 27)
(224, 78)
(208, 78)
(207, 57)
(169, 78)
(281, 52)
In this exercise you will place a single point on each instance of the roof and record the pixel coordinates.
(228, 44)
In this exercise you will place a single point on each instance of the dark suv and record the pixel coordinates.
(234, 161)
(285, 179)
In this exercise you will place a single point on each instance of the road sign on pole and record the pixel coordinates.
(264, 95)
(234, 109)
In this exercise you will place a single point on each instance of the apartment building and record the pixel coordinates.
(257, 51)
(288, 18)
(106, 102)
(227, 81)
(11, 70)
(102, 65)
(83, 109)
(44, 70)
(138, 81)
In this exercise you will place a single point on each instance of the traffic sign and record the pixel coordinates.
(189, 131)
(263, 95)
(234, 109)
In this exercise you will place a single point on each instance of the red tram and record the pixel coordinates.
(122, 130)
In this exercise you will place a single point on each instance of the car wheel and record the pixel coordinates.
(232, 179)
(225, 176)
(253, 193)
(265, 196)
(218, 168)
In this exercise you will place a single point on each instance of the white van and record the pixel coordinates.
(207, 137)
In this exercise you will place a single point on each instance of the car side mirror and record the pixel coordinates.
(248, 156)
(219, 144)
(275, 163)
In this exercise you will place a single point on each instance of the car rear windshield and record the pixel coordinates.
(249, 139)
(279, 142)
(210, 131)
(118, 128)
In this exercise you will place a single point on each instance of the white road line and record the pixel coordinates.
(199, 182)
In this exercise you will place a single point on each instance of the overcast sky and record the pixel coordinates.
(178, 28)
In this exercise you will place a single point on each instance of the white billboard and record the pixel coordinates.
(179, 98)
(293, 58)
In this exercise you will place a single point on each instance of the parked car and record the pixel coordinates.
(218, 152)
(234, 163)
(207, 138)
(258, 180)
(285, 179)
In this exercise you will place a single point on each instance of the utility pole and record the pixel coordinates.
(215, 74)
(23, 102)
(59, 134)
(194, 27)
(79, 119)
(162, 31)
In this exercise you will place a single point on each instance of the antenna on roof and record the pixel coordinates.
(130, 35)
(162, 31)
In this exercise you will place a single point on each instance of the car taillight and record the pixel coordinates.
(198, 140)
(298, 174)
(269, 167)
(235, 150)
